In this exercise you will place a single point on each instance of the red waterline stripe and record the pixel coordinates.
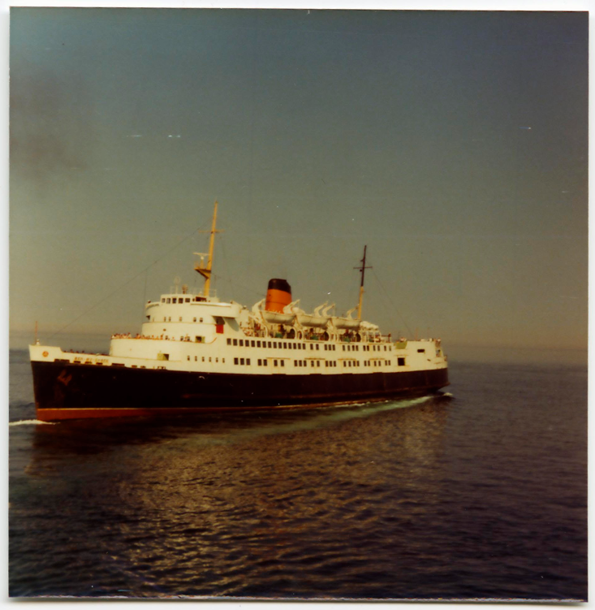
(59, 414)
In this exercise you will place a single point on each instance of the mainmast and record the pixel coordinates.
(200, 267)
(362, 270)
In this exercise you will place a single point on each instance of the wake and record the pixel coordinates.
(30, 422)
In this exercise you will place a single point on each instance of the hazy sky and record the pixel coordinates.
(453, 145)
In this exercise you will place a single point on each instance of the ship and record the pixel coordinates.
(197, 353)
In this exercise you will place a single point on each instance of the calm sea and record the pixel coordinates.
(482, 494)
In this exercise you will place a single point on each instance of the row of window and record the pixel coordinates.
(274, 344)
(291, 345)
(377, 348)
(316, 363)
(197, 339)
(203, 359)
(367, 348)
(327, 363)
(181, 299)
(168, 319)
(347, 363)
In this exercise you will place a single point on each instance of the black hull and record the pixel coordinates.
(64, 391)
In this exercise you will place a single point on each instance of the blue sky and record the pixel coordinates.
(452, 144)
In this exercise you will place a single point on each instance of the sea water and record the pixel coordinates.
(478, 493)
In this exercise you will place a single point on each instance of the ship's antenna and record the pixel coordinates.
(200, 267)
(362, 270)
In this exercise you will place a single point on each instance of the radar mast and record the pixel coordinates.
(362, 270)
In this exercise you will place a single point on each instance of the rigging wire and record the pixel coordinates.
(221, 277)
(229, 281)
(145, 293)
(391, 302)
(111, 294)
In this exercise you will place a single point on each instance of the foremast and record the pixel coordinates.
(205, 271)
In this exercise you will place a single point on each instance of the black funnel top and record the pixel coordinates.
(277, 284)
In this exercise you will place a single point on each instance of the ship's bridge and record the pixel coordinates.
(176, 305)
(180, 299)
(186, 315)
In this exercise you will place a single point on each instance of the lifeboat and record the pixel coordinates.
(371, 329)
(274, 317)
(315, 320)
(347, 323)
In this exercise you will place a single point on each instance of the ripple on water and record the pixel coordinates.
(419, 499)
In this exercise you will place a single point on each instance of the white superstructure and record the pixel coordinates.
(187, 332)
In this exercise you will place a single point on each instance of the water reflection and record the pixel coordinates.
(249, 504)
